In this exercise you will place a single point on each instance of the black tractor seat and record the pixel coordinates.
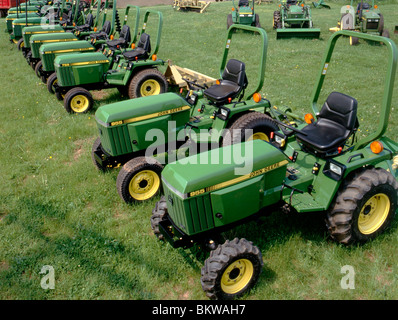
(233, 82)
(123, 41)
(88, 25)
(243, 3)
(104, 32)
(336, 122)
(141, 52)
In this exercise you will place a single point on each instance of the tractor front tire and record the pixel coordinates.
(78, 100)
(230, 21)
(38, 69)
(364, 207)
(158, 214)
(260, 124)
(147, 82)
(257, 21)
(51, 80)
(139, 179)
(231, 270)
(20, 44)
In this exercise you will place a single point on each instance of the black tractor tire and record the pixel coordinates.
(364, 207)
(78, 100)
(38, 69)
(261, 124)
(139, 179)
(231, 270)
(230, 22)
(147, 82)
(354, 41)
(257, 21)
(381, 24)
(20, 44)
(97, 146)
(386, 33)
(277, 24)
(51, 80)
(159, 214)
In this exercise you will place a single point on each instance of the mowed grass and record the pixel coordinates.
(57, 210)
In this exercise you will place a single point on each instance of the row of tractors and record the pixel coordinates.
(315, 163)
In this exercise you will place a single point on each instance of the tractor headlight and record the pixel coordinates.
(280, 141)
(334, 170)
(223, 113)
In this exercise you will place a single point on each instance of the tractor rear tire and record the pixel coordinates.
(158, 214)
(386, 33)
(147, 82)
(78, 100)
(364, 207)
(277, 20)
(232, 269)
(261, 125)
(139, 180)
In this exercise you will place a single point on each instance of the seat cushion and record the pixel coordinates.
(324, 135)
(136, 54)
(221, 92)
(113, 44)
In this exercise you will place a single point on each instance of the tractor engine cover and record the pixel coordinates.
(124, 127)
(78, 69)
(206, 191)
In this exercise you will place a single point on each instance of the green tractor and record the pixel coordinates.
(97, 38)
(243, 14)
(365, 18)
(311, 167)
(53, 19)
(293, 19)
(133, 72)
(182, 125)
(57, 11)
(49, 51)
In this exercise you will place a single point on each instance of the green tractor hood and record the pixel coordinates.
(139, 108)
(222, 167)
(123, 126)
(204, 195)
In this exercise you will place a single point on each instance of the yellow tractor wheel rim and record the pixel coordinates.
(79, 103)
(373, 213)
(236, 277)
(144, 185)
(150, 88)
(22, 45)
(259, 136)
(15, 41)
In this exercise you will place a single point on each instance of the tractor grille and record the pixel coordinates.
(192, 215)
(115, 140)
(65, 76)
(372, 25)
(47, 59)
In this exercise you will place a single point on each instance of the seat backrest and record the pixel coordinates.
(90, 20)
(235, 71)
(243, 3)
(341, 109)
(145, 42)
(125, 33)
(106, 27)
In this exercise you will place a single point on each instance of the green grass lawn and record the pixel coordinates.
(56, 209)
